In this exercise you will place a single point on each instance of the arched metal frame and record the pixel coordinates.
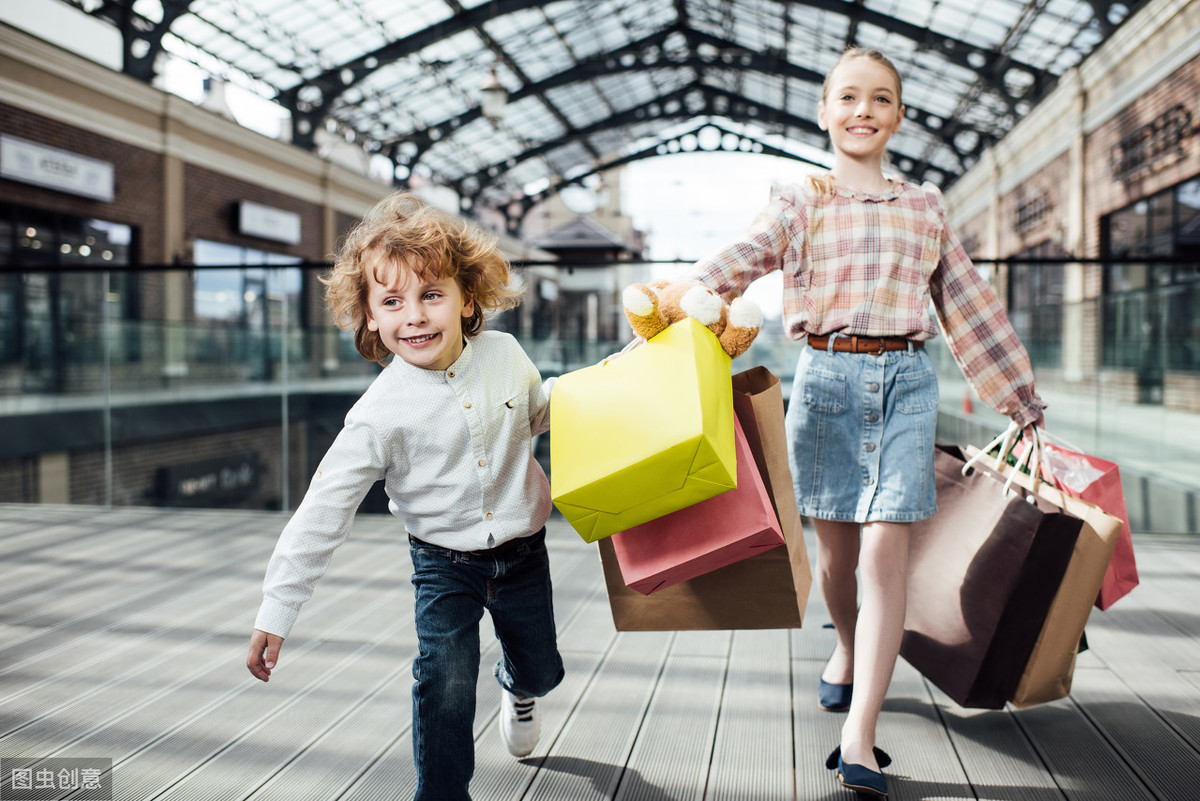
(692, 73)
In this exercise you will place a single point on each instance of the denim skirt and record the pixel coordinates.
(860, 430)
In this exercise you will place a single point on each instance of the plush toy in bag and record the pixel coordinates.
(652, 307)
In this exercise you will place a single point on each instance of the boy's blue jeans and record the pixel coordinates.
(453, 588)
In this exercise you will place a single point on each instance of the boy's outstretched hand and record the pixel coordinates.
(264, 654)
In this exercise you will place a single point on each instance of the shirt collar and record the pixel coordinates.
(894, 192)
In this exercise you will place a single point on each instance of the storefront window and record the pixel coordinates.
(243, 304)
(1035, 304)
(62, 276)
(1150, 320)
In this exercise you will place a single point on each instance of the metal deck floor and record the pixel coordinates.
(123, 636)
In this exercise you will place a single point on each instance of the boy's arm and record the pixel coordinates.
(319, 526)
(264, 654)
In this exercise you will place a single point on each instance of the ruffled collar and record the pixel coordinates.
(891, 194)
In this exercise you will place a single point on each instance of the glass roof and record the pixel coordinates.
(593, 82)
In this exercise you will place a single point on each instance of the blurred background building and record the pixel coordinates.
(175, 176)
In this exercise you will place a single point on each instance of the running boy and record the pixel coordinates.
(446, 426)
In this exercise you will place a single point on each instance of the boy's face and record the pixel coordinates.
(418, 320)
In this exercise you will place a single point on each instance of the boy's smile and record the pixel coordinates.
(418, 319)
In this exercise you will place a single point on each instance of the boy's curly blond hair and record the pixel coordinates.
(404, 230)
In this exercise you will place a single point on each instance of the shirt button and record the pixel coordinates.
(872, 418)
(488, 516)
(450, 373)
(870, 446)
(872, 387)
(467, 405)
(481, 462)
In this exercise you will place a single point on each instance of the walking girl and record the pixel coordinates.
(864, 255)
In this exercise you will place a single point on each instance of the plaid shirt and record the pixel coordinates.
(870, 266)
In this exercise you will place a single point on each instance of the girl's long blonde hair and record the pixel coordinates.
(823, 185)
(403, 230)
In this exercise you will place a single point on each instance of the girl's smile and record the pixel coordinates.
(861, 111)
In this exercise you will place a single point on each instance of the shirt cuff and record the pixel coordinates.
(1029, 413)
(276, 618)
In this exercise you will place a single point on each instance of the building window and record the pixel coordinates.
(62, 276)
(1151, 324)
(1035, 303)
(245, 306)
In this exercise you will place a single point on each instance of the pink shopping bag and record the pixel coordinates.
(698, 539)
(1098, 482)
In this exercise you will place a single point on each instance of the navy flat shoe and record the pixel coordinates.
(834, 697)
(881, 757)
(861, 780)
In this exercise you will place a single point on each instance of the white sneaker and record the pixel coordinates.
(520, 726)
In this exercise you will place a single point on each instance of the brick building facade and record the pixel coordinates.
(1117, 139)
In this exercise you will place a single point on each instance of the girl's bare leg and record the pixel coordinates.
(837, 559)
(883, 562)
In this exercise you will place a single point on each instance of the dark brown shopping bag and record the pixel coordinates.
(982, 575)
(766, 591)
(1051, 666)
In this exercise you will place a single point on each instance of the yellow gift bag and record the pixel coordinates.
(643, 435)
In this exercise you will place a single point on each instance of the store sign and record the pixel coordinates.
(255, 219)
(1032, 211)
(31, 163)
(210, 481)
(1153, 146)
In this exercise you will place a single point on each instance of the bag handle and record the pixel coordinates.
(1062, 441)
(1004, 444)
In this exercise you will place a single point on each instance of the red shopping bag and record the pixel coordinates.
(1098, 482)
(698, 539)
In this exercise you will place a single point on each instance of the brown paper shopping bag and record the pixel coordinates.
(766, 591)
(982, 575)
(1051, 666)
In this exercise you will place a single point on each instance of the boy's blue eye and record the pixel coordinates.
(432, 295)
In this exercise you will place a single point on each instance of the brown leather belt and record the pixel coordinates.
(853, 344)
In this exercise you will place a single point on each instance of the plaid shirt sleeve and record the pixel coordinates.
(758, 250)
(979, 333)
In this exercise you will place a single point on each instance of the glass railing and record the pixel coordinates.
(95, 409)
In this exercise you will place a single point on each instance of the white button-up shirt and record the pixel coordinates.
(453, 450)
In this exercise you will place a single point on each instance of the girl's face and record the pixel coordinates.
(862, 108)
(419, 320)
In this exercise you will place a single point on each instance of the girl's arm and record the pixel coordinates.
(759, 250)
(980, 336)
